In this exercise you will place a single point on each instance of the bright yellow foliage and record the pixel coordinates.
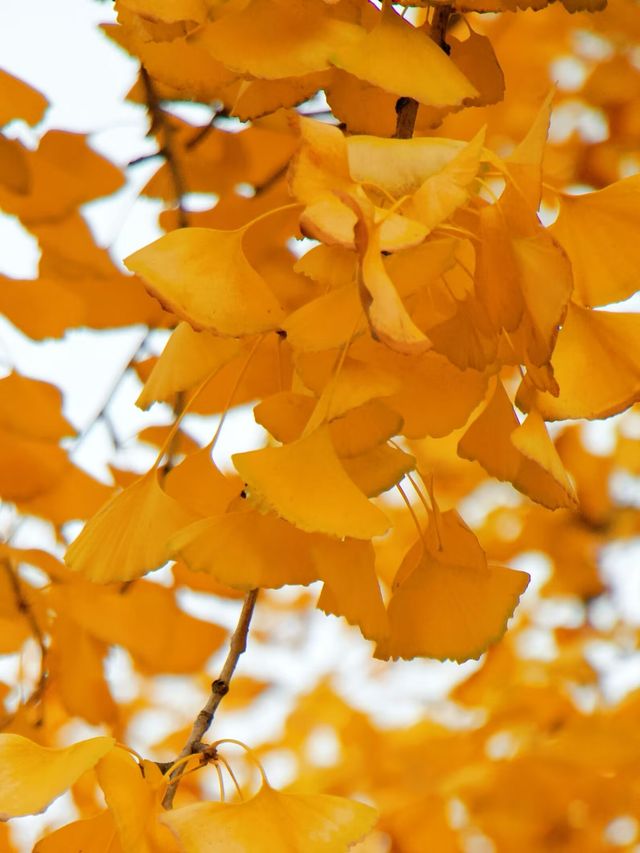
(406, 242)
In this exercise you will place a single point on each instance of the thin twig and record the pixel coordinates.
(161, 123)
(24, 608)
(407, 108)
(219, 689)
(102, 413)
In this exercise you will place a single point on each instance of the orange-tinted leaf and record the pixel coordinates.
(19, 100)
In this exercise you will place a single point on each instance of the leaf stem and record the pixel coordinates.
(219, 689)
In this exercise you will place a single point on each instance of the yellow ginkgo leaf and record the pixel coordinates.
(522, 454)
(204, 277)
(388, 317)
(399, 166)
(441, 194)
(269, 39)
(94, 833)
(603, 345)
(114, 618)
(353, 383)
(32, 776)
(197, 484)
(305, 484)
(379, 469)
(32, 408)
(245, 550)
(326, 322)
(279, 822)
(599, 233)
(351, 588)
(134, 801)
(426, 73)
(187, 358)
(128, 536)
(448, 611)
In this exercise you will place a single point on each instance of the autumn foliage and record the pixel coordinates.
(414, 272)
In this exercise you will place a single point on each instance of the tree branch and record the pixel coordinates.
(160, 122)
(219, 689)
(23, 607)
(407, 108)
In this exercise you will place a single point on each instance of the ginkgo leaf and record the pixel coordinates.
(95, 833)
(14, 167)
(270, 39)
(522, 454)
(73, 495)
(256, 98)
(32, 776)
(315, 823)
(19, 100)
(167, 11)
(32, 408)
(351, 588)
(399, 166)
(114, 618)
(305, 484)
(197, 484)
(600, 344)
(128, 536)
(188, 357)
(245, 550)
(321, 164)
(426, 72)
(441, 194)
(353, 383)
(448, 611)
(388, 316)
(203, 276)
(598, 231)
(134, 802)
(28, 467)
(330, 220)
(87, 697)
(326, 322)
(378, 469)
(42, 308)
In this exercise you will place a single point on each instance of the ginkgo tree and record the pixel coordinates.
(399, 279)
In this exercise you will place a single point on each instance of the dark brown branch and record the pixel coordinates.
(160, 123)
(219, 690)
(407, 108)
(24, 608)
